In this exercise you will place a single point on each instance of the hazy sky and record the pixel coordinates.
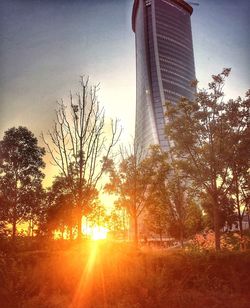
(46, 45)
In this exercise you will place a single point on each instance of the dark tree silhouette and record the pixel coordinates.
(80, 144)
(60, 210)
(21, 161)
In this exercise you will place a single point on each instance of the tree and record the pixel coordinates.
(97, 216)
(79, 145)
(3, 218)
(60, 210)
(239, 118)
(170, 204)
(35, 197)
(202, 140)
(118, 222)
(129, 182)
(21, 161)
(157, 201)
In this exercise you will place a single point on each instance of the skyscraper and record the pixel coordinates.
(164, 64)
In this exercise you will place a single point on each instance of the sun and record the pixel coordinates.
(99, 233)
(95, 232)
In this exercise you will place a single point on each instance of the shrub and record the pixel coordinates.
(229, 241)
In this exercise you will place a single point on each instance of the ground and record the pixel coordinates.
(116, 275)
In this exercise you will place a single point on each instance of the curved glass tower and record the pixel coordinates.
(164, 64)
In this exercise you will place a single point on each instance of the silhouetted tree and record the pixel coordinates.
(35, 197)
(97, 215)
(3, 217)
(60, 210)
(80, 143)
(21, 161)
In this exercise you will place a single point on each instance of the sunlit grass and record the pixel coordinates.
(98, 274)
(82, 292)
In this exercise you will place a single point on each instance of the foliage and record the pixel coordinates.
(206, 136)
(130, 182)
(118, 223)
(59, 212)
(20, 176)
(97, 215)
(229, 241)
(239, 192)
(171, 209)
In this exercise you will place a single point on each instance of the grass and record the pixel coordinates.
(112, 275)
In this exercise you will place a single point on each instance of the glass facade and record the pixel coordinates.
(164, 64)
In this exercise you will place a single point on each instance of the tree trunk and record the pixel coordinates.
(31, 227)
(14, 229)
(79, 226)
(14, 220)
(161, 236)
(240, 215)
(135, 230)
(216, 226)
(181, 236)
(240, 226)
(125, 234)
(70, 233)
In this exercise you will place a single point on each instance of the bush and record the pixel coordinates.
(231, 241)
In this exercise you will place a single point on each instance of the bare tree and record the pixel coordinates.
(81, 143)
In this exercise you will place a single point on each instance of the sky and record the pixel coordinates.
(46, 45)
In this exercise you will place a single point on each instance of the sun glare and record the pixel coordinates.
(95, 232)
(99, 233)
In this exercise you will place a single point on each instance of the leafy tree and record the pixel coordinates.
(80, 145)
(60, 212)
(194, 221)
(3, 218)
(239, 192)
(118, 222)
(97, 215)
(170, 206)
(156, 220)
(35, 196)
(227, 214)
(20, 174)
(157, 201)
(129, 182)
(204, 142)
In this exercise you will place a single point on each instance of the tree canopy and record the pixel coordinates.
(207, 135)
(21, 161)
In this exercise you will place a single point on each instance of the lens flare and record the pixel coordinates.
(95, 232)
(99, 233)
